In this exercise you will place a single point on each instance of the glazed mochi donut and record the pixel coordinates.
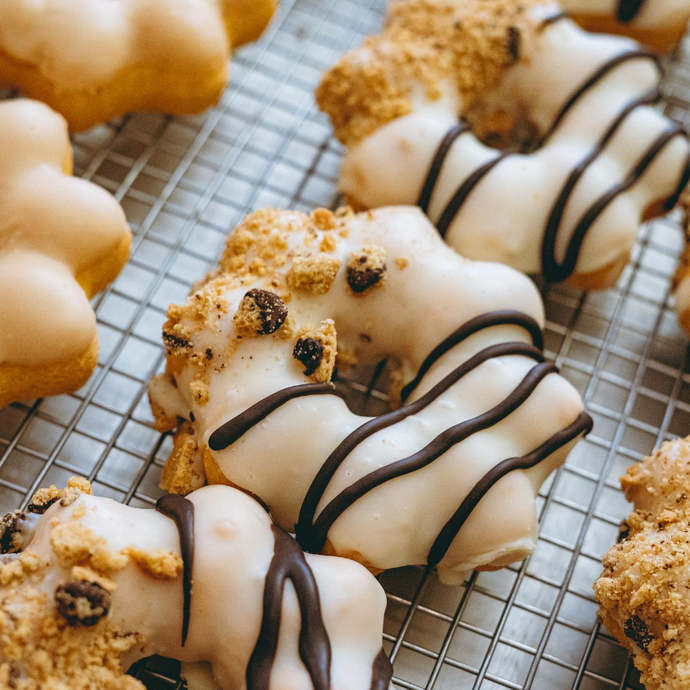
(659, 24)
(93, 60)
(62, 240)
(643, 590)
(525, 139)
(91, 585)
(449, 478)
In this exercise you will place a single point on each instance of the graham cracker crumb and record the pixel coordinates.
(88, 575)
(324, 219)
(159, 564)
(43, 499)
(314, 273)
(366, 268)
(402, 262)
(75, 544)
(316, 351)
(184, 469)
(424, 42)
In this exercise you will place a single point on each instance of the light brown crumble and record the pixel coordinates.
(325, 335)
(75, 544)
(643, 592)
(159, 564)
(79, 572)
(184, 469)
(314, 273)
(424, 42)
(402, 262)
(27, 564)
(366, 268)
(40, 651)
(44, 498)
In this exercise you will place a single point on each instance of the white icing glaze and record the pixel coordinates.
(406, 317)
(52, 228)
(505, 215)
(654, 14)
(80, 45)
(234, 546)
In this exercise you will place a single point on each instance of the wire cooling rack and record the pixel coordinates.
(184, 183)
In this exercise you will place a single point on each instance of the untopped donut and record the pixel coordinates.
(526, 140)
(93, 60)
(659, 24)
(448, 479)
(62, 240)
(89, 586)
(643, 591)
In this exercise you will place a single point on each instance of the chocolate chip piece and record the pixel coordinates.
(9, 529)
(623, 532)
(513, 43)
(309, 352)
(366, 268)
(636, 630)
(265, 309)
(40, 508)
(82, 603)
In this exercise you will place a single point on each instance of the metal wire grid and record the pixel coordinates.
(184, 183)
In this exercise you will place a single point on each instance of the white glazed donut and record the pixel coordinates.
(448, 479)
(206, 578)
(584, 158)
(658, 23)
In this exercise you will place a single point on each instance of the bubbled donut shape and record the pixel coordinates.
(89, 586)
(62, 240)
(643, 590)
(92, 60)
(524, 138)
(659, 24)
(484, 418)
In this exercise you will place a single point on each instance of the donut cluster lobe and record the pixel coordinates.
(82, 603)
(309, 352)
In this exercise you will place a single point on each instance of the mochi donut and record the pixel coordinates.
(93, 60)
(89, 586)
(62, 240)
(643, 591)
(525, 139)
(446, 480)
(659, 24)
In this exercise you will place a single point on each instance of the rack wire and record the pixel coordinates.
(184, 184)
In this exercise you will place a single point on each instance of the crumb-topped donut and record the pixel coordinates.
(524, 138)
(485, 418)
(89, 586)
(659, 24)
(97, 59)
(643, 591)
(62, 240)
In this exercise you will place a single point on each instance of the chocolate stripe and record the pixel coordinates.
(289, 562)
(382, 672)
(556, 216)
(424, 457)
(583, 424)
(437, 164)
(326, 472)
(555, 272)
(181, 511)
(629, 9)
(505, 317)
(236, 427)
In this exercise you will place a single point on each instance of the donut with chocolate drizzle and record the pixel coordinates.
(550, 167)
(484, 417)
(247, 600)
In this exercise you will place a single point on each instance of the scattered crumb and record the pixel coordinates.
(366, 268)
(160, 564)
(184, 469)
(314, 273)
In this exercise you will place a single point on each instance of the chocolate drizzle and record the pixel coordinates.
(450, 530)
(289, 563)
(629, 9)
(181, 511)
(236, 427)
(382, 672)
(504, 317)
(552, 270)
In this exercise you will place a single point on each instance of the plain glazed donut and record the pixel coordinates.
(93, 60)
(643, 590)
(659, 24)
(62, 240)
(485, 420)
(525, 139)
(89, 586)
